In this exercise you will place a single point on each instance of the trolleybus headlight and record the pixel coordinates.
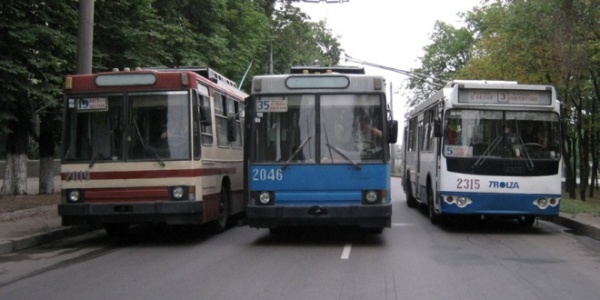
(462, 201)
(542, 203)
(74, 196)
(371, 197)
(264, 198)
(554, 202)
(177, 192)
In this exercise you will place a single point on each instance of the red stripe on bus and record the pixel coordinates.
(156, 174)
(127, 194)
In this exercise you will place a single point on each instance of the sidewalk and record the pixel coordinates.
(32, 227)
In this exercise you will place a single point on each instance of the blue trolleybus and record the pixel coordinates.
(317, 149)
(484, 148)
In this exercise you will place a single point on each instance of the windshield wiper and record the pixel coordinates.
(487, 151)
(331, 147)
(93, 161)
(356, 165)
(528, 160)
(287, 163)
(137, 129)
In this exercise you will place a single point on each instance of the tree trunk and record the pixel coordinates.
(15, 175)
(568, 168)
(46, 141)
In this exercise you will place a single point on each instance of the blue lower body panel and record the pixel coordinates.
(500, 204)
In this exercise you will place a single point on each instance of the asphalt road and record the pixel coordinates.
(412, 260)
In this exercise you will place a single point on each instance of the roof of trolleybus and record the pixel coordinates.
(150, 79)
(493, 94)
(317, 83)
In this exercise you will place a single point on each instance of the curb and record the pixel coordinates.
(578, 227)
(8, 246)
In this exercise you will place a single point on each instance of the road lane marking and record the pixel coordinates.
(402, 224)
(346, 251)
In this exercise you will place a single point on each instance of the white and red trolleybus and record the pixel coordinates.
(151, 146)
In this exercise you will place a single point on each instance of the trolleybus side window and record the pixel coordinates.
(196, 124)
(221, 119)
(233, 123)
(206, 119)
(429, 124)
(412, 135)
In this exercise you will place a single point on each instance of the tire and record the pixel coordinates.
(117, 229)
(220, 224)
(410, 199)
(433, 217)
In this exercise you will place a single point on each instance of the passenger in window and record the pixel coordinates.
(368, 131)
(452, 132)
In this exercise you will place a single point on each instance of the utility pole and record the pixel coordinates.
(85, 37)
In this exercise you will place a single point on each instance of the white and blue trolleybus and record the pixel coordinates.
(485, 148)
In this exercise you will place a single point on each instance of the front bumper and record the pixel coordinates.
(376, 216)
(170, 212)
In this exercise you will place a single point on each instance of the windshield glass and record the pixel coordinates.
(285, 129)
(350, 129)
(159, 124)
(93, 128)
(501, 134)
(156, 127)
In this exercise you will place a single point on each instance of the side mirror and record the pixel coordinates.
(393, 131)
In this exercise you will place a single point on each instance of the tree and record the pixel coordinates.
(449, 51)
(38, 44)
(297, 41)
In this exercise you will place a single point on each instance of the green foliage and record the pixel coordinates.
(297, 41)
(449, 51)
(37, 49)
(39, 42)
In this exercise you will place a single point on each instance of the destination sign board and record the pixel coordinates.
(481, 96)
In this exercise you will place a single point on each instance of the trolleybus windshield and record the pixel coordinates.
(155, 128)
(350, 130)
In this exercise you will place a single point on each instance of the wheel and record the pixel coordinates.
(410, 200)
(116, 229)
(219, 225)
(527, 220)
(433, 217)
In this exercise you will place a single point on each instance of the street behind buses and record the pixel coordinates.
(485, 149)
(152, 145)
(317, 150)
